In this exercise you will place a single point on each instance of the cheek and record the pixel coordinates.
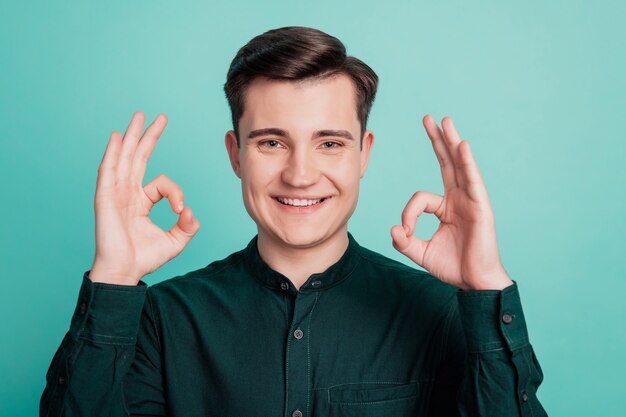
(345, 174)
(257, 176)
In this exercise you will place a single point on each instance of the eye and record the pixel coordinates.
(270, 143)
(331, 145)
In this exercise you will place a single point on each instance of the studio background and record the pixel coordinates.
(536, 87)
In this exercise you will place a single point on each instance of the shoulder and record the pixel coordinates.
(406, 291)
(406, 279)
(209, 276)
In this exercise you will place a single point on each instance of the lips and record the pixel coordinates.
(300, 202)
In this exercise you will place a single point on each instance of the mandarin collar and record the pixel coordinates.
(334, 274)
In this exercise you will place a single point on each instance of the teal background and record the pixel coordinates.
(536, 87)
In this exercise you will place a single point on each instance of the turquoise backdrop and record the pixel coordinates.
(536, 87)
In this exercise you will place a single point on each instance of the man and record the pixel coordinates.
(303, 321)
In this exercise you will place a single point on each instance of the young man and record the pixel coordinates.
(303, 321)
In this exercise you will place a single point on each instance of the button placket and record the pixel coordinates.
(298, 386)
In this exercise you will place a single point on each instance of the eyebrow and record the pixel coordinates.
(318, 134)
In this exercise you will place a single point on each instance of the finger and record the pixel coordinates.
(474, 184)
(161, 187)
(419, 203)
(450, 132)
(409, 245)
(129, 144)
(184, 229)
(145, 148)
(441, 150)
(453, 139)
(106, 170)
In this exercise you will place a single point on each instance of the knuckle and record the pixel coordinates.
(143, 157)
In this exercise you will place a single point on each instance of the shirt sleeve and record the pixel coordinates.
(110, 333)
(488, 366)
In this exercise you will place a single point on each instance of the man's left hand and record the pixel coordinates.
(464, 250)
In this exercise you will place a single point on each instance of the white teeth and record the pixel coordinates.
(298, 203)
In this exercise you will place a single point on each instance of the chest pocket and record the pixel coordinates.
(373, 400)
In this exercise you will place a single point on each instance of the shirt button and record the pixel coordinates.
(82, 308)
(296, 413)
(507, 318)
(61, 380)
(316, 283)
(298, 335)
(284, 286)
(524, 396)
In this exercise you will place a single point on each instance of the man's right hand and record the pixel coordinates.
(128, 244)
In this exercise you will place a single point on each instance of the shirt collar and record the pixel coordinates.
(316, 282)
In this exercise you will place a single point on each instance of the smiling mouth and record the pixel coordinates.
(295, 202)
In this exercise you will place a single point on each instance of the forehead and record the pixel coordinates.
(304, 105)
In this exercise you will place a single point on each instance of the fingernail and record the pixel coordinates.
(406, 229)
(180, 205)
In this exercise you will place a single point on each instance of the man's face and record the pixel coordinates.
(299, 158)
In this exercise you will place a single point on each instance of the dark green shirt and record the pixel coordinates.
(368, 337)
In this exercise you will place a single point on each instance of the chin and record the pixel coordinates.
(301, 237)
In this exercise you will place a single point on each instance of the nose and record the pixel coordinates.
(301, 169)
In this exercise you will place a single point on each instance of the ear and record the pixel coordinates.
(233, 151)
(366, 148)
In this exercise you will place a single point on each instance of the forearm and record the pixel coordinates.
(86, 373)
(490, 367)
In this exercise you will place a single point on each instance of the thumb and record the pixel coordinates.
(410, 246)
(185, 228)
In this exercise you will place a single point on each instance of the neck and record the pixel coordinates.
(299, 263)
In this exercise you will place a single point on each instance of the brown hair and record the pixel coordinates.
(296, 53)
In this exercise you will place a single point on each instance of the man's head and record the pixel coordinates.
(299, 109)
(296, 53)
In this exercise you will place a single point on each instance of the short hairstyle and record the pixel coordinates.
(297, 53)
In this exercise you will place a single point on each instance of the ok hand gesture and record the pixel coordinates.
(128, 244)
(463, 251)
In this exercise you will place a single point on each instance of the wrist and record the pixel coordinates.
(495, 285)
(498, 282)
(491, 284)
(102, 275)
